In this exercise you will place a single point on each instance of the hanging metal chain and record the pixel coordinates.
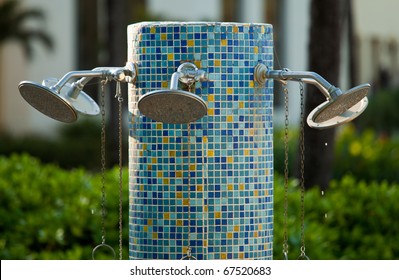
(189, 249)
(103, 161)
(302, 170)
(120, 148)
(103, 166)
(286, 173)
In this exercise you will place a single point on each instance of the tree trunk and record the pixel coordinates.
(324, 58)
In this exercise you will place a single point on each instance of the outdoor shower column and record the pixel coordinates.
(224, 160)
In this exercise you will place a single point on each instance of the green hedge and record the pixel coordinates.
(365, 155)
(352, 220)
(50, 213)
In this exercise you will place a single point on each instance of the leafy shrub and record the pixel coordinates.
(381, 113)
(366, 155)
(50, 213)
(352, 220)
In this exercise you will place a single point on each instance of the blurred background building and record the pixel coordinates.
(69, 23)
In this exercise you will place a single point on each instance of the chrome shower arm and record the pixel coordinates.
(318, 85)
(329, 91)
(125, 74)
(78, 74)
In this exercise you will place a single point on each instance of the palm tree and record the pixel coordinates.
(324, 57)
(13, 27)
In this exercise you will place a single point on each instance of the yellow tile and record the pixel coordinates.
(165, 140)
(211, 97)
(230, 187)
(229, 235)
(179, 174)
(236, 228)
(179, 195)
(229, 90)
(229, 118)
(211, 153)
(145, 228)
(165, 84)
(192, 167)
(242, 187)
(199, 188)
(154, 235)
(159, 174)
(152, 30)
(198, 63)
(235, 29)
(149, 167)
(170, 56)
(241, 104)
(241, 255)
(179, 223)
(205, 139)
(246, 152)
(149, 222)
(223, 42)
(166, 181)
(230, 159)
(223, 256)
(217, 215)
(166, 216)
(172, 153)
(163, 36)
(211, 112)
(186, 201)
(217, 62)
(251, 84)
(154, 160)
(190, 43)
(256, 49)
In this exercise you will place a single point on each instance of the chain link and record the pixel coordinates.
(286, 173)
(302, 170)
(120, 123)
(103, 161)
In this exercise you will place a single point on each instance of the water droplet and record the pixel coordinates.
(322, 193)
(325, 215)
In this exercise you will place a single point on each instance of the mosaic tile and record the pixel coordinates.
(223, 170)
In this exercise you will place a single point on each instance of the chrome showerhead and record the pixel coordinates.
(62, 101)
(47, 102)
(341, 109)
(59, 106)
(172, 106)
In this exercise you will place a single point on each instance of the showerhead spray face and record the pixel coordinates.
(172, 106)
(57, 105)
(47, 102)
(341, 109)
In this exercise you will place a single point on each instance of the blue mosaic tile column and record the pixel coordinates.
(219, 167)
